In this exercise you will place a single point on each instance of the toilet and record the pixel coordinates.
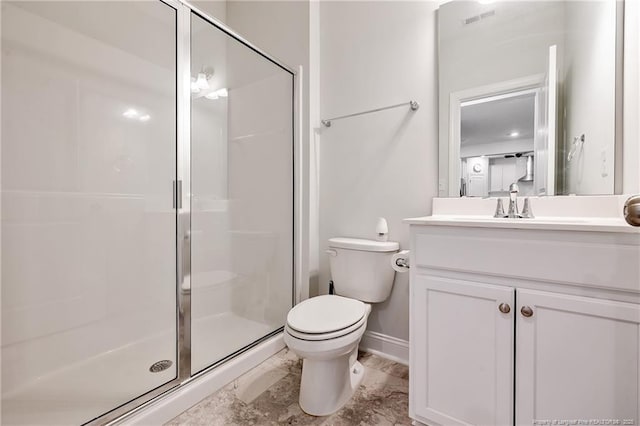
(325, 330)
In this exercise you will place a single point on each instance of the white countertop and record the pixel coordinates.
(585, 213)
(597, 224)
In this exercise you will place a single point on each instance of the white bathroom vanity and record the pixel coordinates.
(525, 321)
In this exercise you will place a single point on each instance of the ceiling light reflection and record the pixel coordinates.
(130, 113)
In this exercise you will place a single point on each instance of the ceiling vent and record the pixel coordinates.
(478, 18)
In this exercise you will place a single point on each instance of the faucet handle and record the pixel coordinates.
(513, 201)
(499, 209)
(526, 209)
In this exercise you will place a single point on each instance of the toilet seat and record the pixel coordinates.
(326, 317)
(326, 336)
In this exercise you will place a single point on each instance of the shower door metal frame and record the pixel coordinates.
(183, 162)
(183, 210)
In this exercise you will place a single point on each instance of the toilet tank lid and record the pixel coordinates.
(362, 244)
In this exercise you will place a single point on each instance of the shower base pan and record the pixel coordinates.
(66, 396)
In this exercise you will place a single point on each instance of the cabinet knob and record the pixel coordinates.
(504, 308)
(526, 311)
(631, 210)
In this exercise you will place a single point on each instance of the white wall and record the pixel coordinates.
(314, 147)
(375, 54)
(215, 8)
(631, 99)
(589, 93)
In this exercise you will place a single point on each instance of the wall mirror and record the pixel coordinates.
(530, 92)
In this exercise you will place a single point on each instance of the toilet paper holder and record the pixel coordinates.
(400, 261)
(403, 263)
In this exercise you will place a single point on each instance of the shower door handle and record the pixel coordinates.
(177, 194)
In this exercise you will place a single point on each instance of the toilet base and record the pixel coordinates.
(327, 385)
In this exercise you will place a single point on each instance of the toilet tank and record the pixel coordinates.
(361, 269)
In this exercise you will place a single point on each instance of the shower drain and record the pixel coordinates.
(159, 366)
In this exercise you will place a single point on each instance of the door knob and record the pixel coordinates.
(504, 308)
(526, 311)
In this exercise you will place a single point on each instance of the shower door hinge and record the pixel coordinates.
(177, 194)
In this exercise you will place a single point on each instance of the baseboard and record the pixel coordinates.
(388, 347)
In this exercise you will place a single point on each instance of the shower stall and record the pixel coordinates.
(148, 210)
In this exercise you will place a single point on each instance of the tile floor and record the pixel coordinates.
(268, 395)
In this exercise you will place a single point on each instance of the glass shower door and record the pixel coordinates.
(88, 223)
(241, 195)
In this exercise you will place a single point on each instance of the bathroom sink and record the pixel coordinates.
(506, 219)
(557, 220)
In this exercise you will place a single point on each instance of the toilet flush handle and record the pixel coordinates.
(331, 252)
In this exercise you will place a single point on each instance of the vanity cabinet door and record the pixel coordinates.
(461, 355)
(576, 359)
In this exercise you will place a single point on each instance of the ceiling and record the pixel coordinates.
(496, 120)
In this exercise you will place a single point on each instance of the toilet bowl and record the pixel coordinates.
(330, 372)
(325, 331)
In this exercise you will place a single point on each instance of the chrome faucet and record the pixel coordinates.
(513, 201)
(513, 206)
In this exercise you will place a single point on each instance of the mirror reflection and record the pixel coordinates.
(529, 93)
(497, 145)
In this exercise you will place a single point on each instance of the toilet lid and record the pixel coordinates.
(324, 314)
(312, 337)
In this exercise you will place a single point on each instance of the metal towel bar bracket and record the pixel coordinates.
(414, 105)
(576, 146)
